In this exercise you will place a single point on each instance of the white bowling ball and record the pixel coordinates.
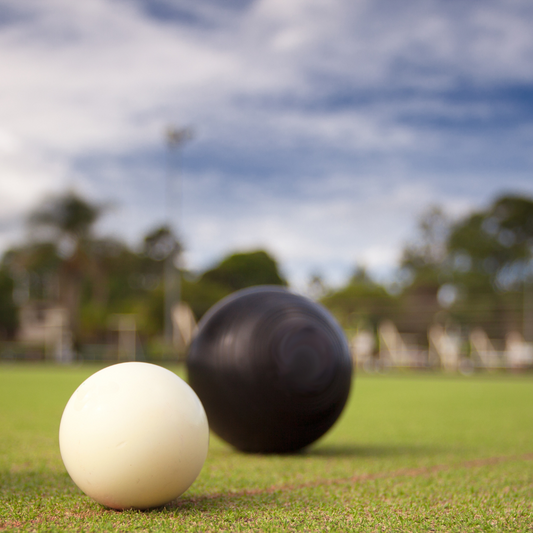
(134, 435)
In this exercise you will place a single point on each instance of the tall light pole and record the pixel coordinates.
(175, 138)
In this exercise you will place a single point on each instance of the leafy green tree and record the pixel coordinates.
(65, 216)
(362, 302)
(496, 243)
(68, 221)
(64, 263)
(201, 295)
(423, 271)
(486, 257)
(8, 310)
(242, 270)
(491, 256)
(160, 244)
(236, 271)
(425, 258)
(33, 268)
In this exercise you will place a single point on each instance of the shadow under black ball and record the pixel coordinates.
(272, 369)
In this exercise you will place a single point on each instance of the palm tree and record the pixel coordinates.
(68, 221)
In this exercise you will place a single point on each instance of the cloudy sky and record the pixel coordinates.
(322, 128)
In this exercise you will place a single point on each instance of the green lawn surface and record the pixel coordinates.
(411, 452)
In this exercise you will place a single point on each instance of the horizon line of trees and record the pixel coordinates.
(63, 263)
(475, 271)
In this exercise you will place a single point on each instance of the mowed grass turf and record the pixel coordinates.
(410, 453)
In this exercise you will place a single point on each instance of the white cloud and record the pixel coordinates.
(98, 81)
(338, 224)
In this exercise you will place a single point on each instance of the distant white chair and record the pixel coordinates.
(445, 346)
(183, 325)
(362, 347)
(518, 354)
(483, 350)
(393, 349)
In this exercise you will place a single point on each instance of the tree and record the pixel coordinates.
(362, 302)
(242, 270)
(67, 221)
(423, 270)
(486, 257)
(491, 255)
(66, 216)
(160, 244)
(8, 311)
(497, 242)
(236, 271)
(425, 258)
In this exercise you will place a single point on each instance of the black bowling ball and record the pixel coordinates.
(272, 369)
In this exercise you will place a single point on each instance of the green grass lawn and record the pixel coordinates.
(410, 453)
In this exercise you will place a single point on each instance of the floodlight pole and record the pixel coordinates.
(175, 138)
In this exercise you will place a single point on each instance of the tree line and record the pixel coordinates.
(474, 271)
(65, 264)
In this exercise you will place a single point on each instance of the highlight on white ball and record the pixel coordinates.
(134, 436)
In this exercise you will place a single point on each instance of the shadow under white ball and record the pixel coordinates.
(134, 435)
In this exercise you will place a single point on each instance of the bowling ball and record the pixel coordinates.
(272, 369)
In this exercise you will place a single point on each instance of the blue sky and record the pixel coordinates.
(322, 128)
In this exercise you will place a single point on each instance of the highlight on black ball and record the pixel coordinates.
(272, 369)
